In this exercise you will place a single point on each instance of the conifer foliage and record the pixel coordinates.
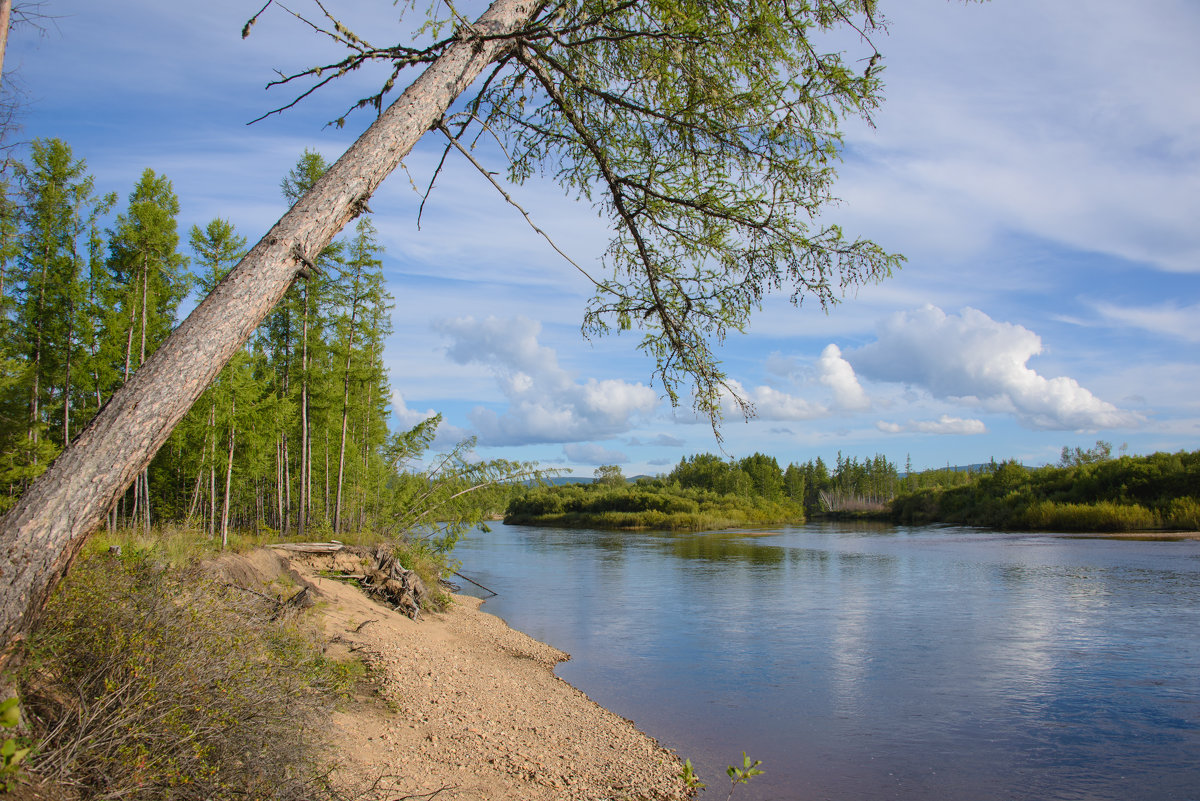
(291, 436)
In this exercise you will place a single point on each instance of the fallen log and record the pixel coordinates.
(381, 575)
(308, 547)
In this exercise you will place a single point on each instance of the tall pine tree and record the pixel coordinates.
(149, 281)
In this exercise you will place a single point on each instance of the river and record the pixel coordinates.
(864, 662)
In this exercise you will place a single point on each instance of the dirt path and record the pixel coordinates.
(471, 709)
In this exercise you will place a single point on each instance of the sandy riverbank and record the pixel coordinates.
(468, 706)
(1149, 536)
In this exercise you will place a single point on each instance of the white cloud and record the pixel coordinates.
(545, 403)
(974, 359)
(405, 416)
(772, 404)
(945, 424)
(447, 435)
(1168, 318)
(593, 453)
(837, 374)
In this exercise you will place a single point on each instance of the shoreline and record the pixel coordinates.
(465, 707)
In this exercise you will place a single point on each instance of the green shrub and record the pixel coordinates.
(647, 505)
(1102, 516)
(155, 683)
(1184, 513)
(13, 750)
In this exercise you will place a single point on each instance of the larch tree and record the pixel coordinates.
(149, 281)
(307, 302)
(57, 193)
(708, 132)
(373, 407)
(361, 289)
(217, 248)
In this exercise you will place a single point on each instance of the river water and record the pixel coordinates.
(864, 662)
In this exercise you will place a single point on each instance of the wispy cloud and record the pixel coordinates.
(943, 425)
(660, 441)
(592, 453)
(1054, 138)
(1169, 319)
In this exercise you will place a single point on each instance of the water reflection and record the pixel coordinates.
(864, 662)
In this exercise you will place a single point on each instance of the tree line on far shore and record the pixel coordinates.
(1088, 490)
(706, 491)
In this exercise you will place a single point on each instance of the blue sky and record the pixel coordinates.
(1038, 163)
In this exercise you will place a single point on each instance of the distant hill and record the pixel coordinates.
(558, 481)
(958, 468)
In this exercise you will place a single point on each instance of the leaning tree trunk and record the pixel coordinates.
(41, 535)
(5, 21)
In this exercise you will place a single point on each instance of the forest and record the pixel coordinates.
(293, 435)
(706, 491)
(1088, 491)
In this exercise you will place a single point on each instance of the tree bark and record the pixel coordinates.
(41, 535)
(305, 471)
(229, 469)
(5, 22)
(212, 468)
(279, 483)
(337, 509)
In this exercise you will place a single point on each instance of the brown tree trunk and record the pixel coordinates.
(146, 499)
(287, 483)
(66, 418)
(195, 502)
(337, 509)
(5, 21)
(34, 411)
(279, 484)
(41, 535)
(337, 506)
(141, 361)
(305, 489)
(228, 473)
(212, 468)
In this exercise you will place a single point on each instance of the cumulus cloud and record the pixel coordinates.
(545, 403)
(447, 435)
(773, 404)
(973, 358)
(837, 374)
(945, 424)
(593, 453)
(405, 416)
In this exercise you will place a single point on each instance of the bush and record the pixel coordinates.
(1184, 513)
(647, 505)
(1102, 516)
(145, 682)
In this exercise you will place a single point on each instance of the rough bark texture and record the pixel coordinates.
(41, 535)
(5, 22)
